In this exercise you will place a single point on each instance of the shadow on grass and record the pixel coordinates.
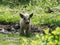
(14, 3)
(23, 2)
(27, 35)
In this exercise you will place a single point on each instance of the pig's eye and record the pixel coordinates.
(24, 18)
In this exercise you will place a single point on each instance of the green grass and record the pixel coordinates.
(38, 7)
(38, 39)
(7, 15)
(10, 12)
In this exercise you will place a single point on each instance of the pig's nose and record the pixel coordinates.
(27, 22)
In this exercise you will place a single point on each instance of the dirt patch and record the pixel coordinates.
(9, 27)
(15, 27)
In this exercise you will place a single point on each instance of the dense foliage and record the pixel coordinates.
(10, 9)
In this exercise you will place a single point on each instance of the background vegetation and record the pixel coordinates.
(10, 9)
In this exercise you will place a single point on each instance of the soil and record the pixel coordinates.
(14, 28)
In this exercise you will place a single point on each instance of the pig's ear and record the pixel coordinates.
(31, 15)
(21, 15)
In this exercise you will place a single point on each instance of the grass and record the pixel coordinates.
(7, 15)
(40, 17)
(38, 39)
